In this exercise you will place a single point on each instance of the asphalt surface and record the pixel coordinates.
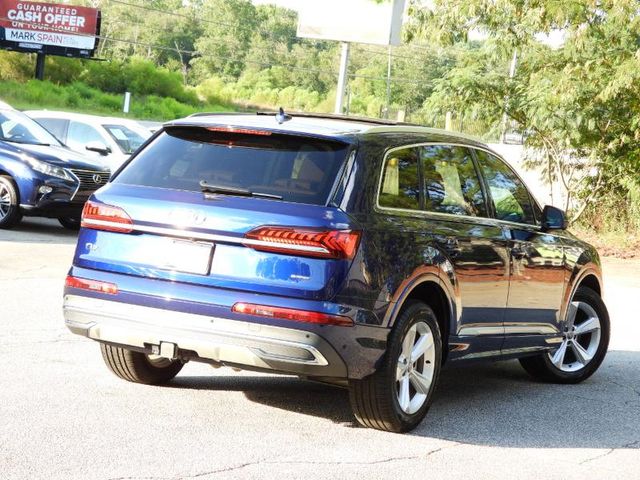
(63, 415)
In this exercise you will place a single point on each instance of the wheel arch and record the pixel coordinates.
(429, 290)
(585, 275)
(6, 173)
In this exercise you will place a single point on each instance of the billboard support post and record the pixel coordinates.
(342, 78)
(40, 57)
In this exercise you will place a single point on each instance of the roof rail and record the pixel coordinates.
(334, 116)
(329, 116)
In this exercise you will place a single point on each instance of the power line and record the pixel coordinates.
(194, 53)
(268, 34)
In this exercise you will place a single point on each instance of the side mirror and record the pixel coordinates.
(553, 218)
(98, 147)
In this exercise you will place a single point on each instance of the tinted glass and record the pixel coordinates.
(451, 181)
(54, 125)
(16, 127)
(401, 181)
(299, 169)
(81, 134)
(509, 195)
(128, 140)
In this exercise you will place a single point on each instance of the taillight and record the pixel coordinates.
(293, 314)
(341, 244)
(93, 285)
(100, 216)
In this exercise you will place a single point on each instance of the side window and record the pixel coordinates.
(401, 180)
(509, 195)
(80, 134)
(56, 126)
(451, 181)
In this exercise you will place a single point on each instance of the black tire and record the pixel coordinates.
(541, 367)
(10, 215)
(70, 223)
(374, 399)
(137, 367)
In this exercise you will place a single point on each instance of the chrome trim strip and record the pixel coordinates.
(170, 232)
(213, 338)
(508, 329)
(477, 330)
(69, 171)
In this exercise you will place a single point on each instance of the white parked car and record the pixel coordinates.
(110, 140)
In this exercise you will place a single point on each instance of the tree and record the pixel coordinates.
(579, 104)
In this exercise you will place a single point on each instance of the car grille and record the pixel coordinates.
(90, 181)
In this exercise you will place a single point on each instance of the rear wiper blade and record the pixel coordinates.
(240, 192)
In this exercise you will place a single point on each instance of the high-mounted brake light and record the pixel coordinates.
(293, 314)
(339, 244)
(93, 285)
(244, 131)
(100, 216)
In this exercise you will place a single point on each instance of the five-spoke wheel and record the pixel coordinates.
(398, 395)
(414, 373)
(585, 338)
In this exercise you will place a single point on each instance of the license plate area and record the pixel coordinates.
(186, 256)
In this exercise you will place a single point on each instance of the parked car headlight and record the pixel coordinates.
(48, 169)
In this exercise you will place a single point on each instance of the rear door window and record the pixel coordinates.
(451, 181)
(298, 169)
(435, 178)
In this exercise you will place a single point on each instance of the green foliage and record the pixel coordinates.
(138, 76)
(579, 103)
(81, 98)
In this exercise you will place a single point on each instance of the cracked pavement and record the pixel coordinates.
(64, 416)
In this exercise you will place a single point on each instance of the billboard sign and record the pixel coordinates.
(358, 21)
(55, 29)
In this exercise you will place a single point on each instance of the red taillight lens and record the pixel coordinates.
(244, 131)
(93, 285)
(304, 241)
(292, 314)
(100, 216)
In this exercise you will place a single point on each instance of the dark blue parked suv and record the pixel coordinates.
(353, 252)
(39, 176)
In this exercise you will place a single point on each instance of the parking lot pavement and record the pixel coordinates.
(64, 416)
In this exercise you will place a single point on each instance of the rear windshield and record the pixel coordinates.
(298, 169)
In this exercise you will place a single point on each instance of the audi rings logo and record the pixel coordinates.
(97, 178)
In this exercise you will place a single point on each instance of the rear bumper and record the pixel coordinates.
(203, 338)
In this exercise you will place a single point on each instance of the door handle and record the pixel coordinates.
(451, 246)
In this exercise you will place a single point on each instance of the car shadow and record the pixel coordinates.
(39, 230)
(494, 404)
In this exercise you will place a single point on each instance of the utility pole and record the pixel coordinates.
(386, 110)
(342, 78)
(512, 73)
(40, 57)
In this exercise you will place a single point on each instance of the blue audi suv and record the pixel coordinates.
(355, 252)
(39, 176)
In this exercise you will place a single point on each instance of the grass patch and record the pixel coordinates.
(78, 97)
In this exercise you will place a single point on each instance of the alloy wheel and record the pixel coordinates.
(5, 201)
(415, 369)
(580, 339)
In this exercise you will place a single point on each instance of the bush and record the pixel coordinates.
(138, 76)
(77, 96)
